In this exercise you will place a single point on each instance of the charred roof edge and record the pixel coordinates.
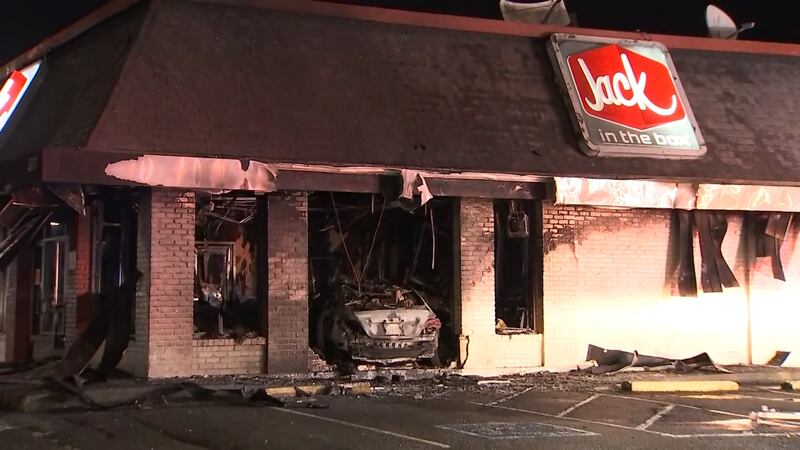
(492, 26)
(411, 18)
(66, 34)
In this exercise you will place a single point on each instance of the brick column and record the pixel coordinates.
(287, 308)
(78, 278)
(167, 222)
(477, 283)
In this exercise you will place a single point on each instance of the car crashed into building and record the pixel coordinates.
(377, 323)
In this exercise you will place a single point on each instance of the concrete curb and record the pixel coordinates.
(764, 378)
(319, 389)
(30, 398)
(680, 386)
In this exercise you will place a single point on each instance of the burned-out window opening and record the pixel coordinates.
(381, 279)
(518, 266)
(50, 276)
(226, 295)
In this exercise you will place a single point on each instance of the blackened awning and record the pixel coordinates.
(223, 80)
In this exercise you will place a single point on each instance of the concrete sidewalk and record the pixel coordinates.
(744, 375)
(31, 396)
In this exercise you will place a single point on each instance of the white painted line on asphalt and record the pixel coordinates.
(4, 426)
(515, 430)
(510, 396)
(777, 390)
(362, 427)
(682, 405)
(575, 419)
(649, 422)
(730, 435)
(577, 405)
(659, 433)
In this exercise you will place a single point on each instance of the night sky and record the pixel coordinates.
(26, 23)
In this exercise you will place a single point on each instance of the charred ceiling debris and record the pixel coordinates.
(22, 215)
(381, 278)
(226, 281)
(770, 232)
(762, 235)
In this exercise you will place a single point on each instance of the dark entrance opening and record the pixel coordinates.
(114, 229)
(381, 279)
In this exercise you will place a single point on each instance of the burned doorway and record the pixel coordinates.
(228, 302)
(518, 266)
(381, 279)
(114, 228)
(50, 279)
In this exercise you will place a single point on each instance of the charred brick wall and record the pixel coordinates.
(228, 357)
(609, 281)
(774, 304)
(287, 308)
(480, 348)
(476, 312)
(169, 217)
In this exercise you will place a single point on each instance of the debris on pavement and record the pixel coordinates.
(769, 416)
(609, 361)
(778, 359)
(491, 382)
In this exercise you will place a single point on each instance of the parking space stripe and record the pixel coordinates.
(511, 396)
(661, 402)
(574, 419)
(740, 435)
(577, 405)
(649, 422)
(362, 427)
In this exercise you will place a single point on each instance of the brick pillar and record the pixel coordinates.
(476, 312)
(287, 308)
(167, 222)
(78, 277)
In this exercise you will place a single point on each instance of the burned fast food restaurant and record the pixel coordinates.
(269, 187)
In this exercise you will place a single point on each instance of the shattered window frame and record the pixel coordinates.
(233, 305)
(49, 314)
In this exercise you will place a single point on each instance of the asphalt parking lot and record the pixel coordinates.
(523, 418)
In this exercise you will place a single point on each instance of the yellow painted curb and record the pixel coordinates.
(791, 386)
(680, 386)
(282, 391)
(318, 389)
(357, 389)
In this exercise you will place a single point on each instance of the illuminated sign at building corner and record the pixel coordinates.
(14, 89)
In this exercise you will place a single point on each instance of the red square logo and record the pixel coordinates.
(625, 87)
